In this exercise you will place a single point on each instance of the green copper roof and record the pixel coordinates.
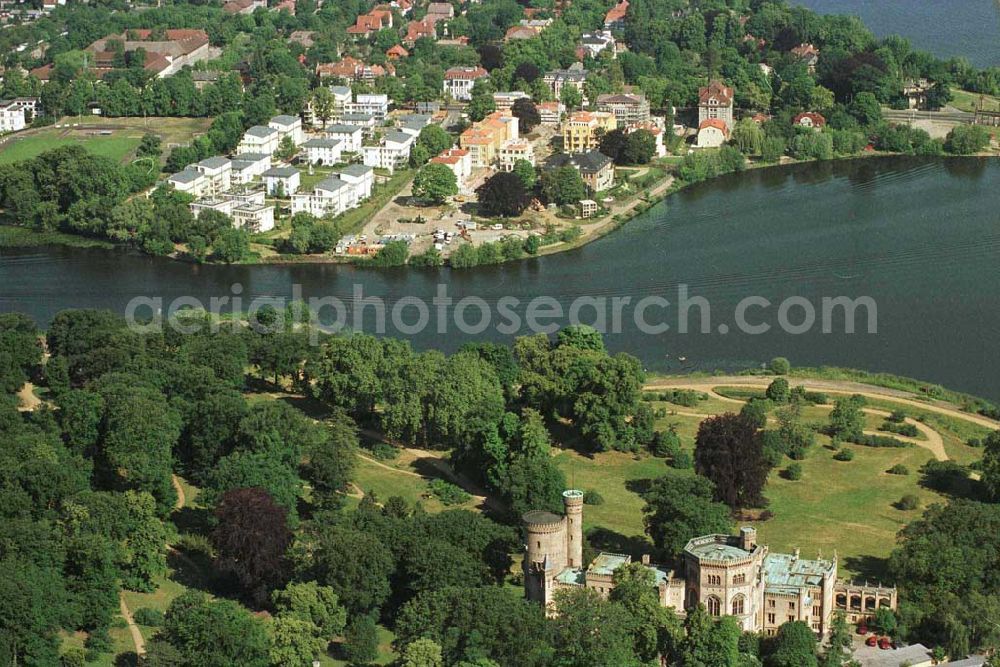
(606, 563)
(784, 573)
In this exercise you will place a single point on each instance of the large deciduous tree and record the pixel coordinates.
(503, 195)
(729, 451)
(679, 507)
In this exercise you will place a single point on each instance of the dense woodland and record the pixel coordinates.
(88, 499)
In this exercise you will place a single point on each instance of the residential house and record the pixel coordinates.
(715, 101)
(593, 43)
(361, 179)
(254, 218)
(203, 78)
(915, 92)
(248, 193)
(288, 126)
(189, 181)
(404, 7)
(712, 133)
(615, 18)
(11, 116)
(217, 204)
(459, 161)
(582, 131)
(396, 52)
(440, 11)
(808, 54)
(596, 169)
(259, 139)
(246, 166)
(458, 81)
(485, 139)
(331, 196)
(811, 120)
(418, 30)
(304, 37)
(352, 69)
(551, 112)
(218, 173)
(167, 54)
(556, 79)
(628, 109)
(341, 96)
(366, 122)
(368, 24)
(516, 32)
(369, 104)
(281, 181)
(391, 153)
(323, 151)
(588, 208)
(504, 101)
(512, 151)
(234, 7)
(413, 123)
(350, 135)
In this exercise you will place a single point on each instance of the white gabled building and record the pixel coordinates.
(288, 126)
(323, 151)
(392, 152)
(458, 81)
(370, 104)
(281, 179)
(350, 135)
(246, 166)
(218, 204)
(189, 181)
(259, 139)
(218, 174)
(11, 116)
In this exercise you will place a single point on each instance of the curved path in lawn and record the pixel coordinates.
(933, 442)
(137, 639)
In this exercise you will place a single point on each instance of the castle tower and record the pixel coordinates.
(573, 502)
(545, 553)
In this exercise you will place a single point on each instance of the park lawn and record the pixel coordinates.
(370, 477)
(845, 506)
(190, 492)
(114, 147)
(121, 642)
(966, 100)
(711, 406)
(609, 473)
(954, 431)
(167, 589)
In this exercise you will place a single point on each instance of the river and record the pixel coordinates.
(946, 28)
(921, 237)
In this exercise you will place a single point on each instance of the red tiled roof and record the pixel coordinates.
(465, 73)
(417, 29)
(717, 123)
(397, 51)
(817, 119)
(718, 90)
(616, 13)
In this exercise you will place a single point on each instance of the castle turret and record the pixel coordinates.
(748, 538)
(573, 501)
(545, 553)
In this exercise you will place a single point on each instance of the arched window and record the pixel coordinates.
(869, 604)
(714, 605)
(841, 601)
(739, 579)
(739, 605)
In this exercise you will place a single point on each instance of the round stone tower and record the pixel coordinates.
(545, 553)
(573, 502)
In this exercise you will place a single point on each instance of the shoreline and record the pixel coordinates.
(15, 236)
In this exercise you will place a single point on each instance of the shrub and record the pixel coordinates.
(974, 442)
(816, 397)
(383, 451)
(844, 455)
(756, 411)
(684, 397)
(900, 428)
(682, 460)
(592, 497)
(448, 493)
(73, 657)
(879, 441)
(780, 366)
(793, 472)
(908, 503)
(149, 616)
(665, 444)
(896, 416)
(779, 391)
(899, 469)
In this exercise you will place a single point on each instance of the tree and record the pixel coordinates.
(653, 627)
(967, 139)
(526, 172)
(640, 147)
(331, 464)
(847, 421)
(435, 182)
(885, 621)
(356, 566)
(215, 633)
(322, 104)
(421, 653)
(526, 113)
(866, 110)
(795, 646)
(939, 95)
(393, 253)
(314, 604)
(779, 366)
(361, 640)
(748, 136)
(991, 465)
(571, 97)
(232, 246)
(286, 150)
(563, 186)
(434, 139)
(729, 452)
(503, 195)
(679, 506)
(294, 642)
(707, 642)
(250, 539)
(149, 146)
(589, 631)
(839, 642)
(779, 391)
(613, 143)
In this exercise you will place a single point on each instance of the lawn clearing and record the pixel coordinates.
(967, 101)
(398, 479)
(114, 147)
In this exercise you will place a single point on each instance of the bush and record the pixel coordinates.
(73, 657)
(688, 398)
(967, 139)
(793, 472)
(383, 451)
(682, 460)
(779, 391)
(909, 430)
(780, 366)
(591, 497)
(844, 455)
(98, 641)
(816, 397)
(908, 503)
(974, 442)
(448, 493)
(148, 616)
(665, 444)
(896, 416)
(879, 441)
(899, 469)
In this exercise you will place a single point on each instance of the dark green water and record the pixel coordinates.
(920, 237)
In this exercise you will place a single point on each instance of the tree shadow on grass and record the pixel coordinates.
(194, 520)
(192, 570)
(869, 568)
(605, 539)
(639, 486)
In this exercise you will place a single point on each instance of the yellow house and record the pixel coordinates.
(582, 131)
(484, 139)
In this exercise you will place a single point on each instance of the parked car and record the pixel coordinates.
(885, 643)
(862, 629)
(872, 640)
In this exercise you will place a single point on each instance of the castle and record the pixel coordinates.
(730, 575)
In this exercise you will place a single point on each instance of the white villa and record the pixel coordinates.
(259, 139)
(392, 152)
(350, 135)
(323, 151)
(283, 180)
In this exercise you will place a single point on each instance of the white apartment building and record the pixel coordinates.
(458, 81)
(218, 174)
(369, 104)
(392, 152)
(323, 151)
(259, 139)
(246, 166)
(361, 179)
(288, 126)
(504, 101)
(189, 181)
(11, 116)
(254, 218)
(512, 151)
(350, 135)
(221, 205)
(281, 180)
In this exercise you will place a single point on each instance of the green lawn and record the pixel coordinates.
(967, 101)
(114, 147)
(352, 221)
(371, 477)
